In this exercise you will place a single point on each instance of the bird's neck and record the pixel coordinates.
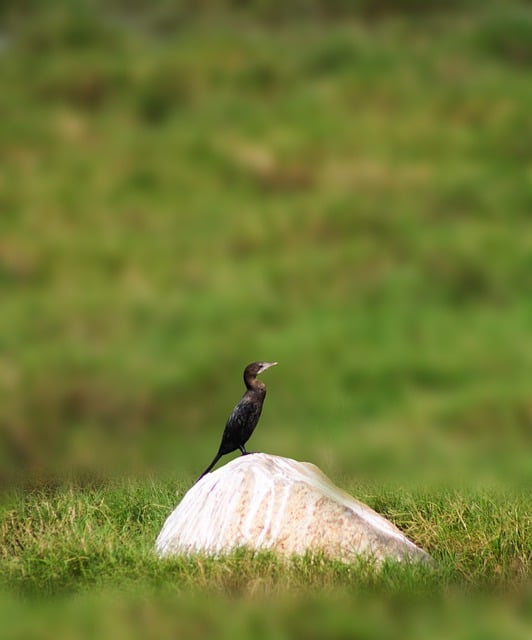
(254, 384)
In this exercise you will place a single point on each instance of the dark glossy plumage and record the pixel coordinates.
(245, 416)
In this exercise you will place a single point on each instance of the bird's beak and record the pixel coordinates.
(267, 365)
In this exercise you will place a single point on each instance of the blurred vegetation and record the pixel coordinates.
(342, 186)
(346, 190)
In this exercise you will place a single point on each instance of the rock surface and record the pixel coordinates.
(266, 502)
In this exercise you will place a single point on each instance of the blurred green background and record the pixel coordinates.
(344, 187)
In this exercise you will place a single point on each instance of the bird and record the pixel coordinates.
(245, 416)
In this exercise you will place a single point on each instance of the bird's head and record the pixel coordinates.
(253, 369)
(259, 367)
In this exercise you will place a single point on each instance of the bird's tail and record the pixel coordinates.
(216, 458)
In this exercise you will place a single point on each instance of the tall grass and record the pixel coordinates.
(352, 202)
(74, 543)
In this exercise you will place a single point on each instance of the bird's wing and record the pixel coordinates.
(240, 424)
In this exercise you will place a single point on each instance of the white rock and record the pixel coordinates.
(266, 502)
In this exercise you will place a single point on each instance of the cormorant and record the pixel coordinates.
(244, 417)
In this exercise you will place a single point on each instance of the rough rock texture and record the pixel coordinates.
(261, 501)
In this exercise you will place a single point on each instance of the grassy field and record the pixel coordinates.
(84, 557)
(184, 191)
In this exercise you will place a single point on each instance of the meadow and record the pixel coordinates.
(184, 191)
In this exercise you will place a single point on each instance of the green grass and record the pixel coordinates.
(352, 202)
(94, 549)
(183, 192)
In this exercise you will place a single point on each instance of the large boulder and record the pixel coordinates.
(264, 502)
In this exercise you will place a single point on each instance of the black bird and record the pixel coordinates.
(244, 417)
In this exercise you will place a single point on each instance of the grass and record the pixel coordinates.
(72, 545)
(356, 196)
(348, 194)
